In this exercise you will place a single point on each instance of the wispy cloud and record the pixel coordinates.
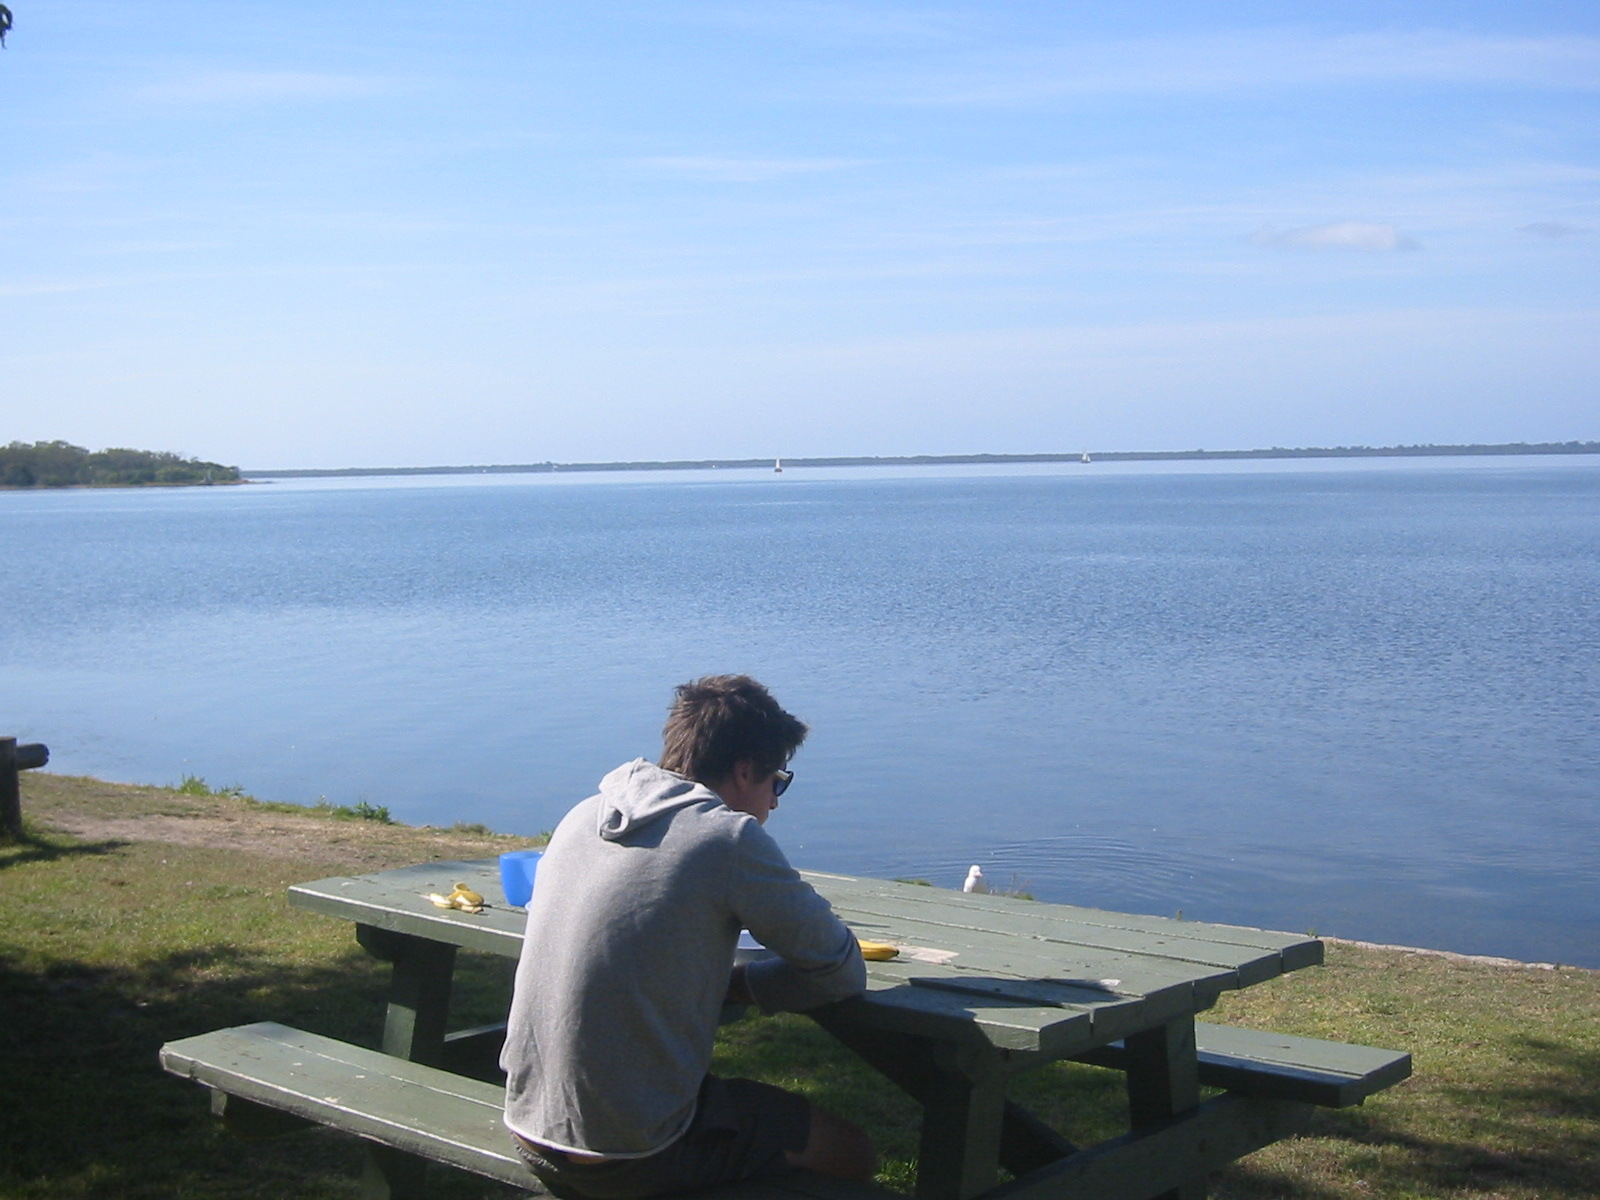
(1341, 235)
(53, 287)
(831, 22)
(1553, 230)
(250, 87)
(1245, 61)
(745, 170)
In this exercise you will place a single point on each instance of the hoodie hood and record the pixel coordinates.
(638, 792)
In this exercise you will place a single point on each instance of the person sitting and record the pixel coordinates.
(638, 904)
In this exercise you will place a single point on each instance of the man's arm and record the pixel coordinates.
(816, 958)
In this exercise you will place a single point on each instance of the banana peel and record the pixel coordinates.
(463, 898)
(877, 951)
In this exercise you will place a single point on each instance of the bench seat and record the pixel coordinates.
(404, 1105)
(1278, 1066)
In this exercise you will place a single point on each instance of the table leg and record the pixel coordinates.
(419, 993)
(962, 1115)
(391, 1174)
(1163, 1081)
(968, 1127)
(413, 1028)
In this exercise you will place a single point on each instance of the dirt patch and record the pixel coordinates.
(95, 811)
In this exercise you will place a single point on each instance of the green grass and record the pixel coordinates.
(114, 945)
(194, 785)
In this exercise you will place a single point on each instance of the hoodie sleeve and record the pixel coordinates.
(818, 959)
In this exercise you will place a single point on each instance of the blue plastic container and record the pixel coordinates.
(517, 870)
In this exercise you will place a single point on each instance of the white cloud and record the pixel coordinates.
(745, 170)
(1554, 230)
(822, 22)
(53, 287)
(1341, 235)
(1251, 60)
(244, 87)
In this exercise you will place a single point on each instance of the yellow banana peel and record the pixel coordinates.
(877, 951)
(463, 898)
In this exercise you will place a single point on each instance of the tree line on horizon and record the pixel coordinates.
(61, 464)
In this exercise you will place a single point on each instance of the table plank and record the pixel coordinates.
(951, 1017)
(1043, 962)
(394, 900)
(1025, 976)
(1190, 941)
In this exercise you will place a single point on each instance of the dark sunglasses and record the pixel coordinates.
(780, 782)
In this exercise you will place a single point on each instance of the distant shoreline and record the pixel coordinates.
(941, 460)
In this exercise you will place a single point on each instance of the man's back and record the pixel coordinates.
(631, 931)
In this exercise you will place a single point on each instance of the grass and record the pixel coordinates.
(194, 785)
(118, 941)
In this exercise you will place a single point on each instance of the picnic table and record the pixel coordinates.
(985, 987)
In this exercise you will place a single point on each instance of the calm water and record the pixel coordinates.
(1355, 697)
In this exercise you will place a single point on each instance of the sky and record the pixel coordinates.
(344, 233)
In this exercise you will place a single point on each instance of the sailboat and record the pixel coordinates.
(777, 466)
(1085, 457)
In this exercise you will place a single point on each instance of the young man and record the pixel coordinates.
(636, 910)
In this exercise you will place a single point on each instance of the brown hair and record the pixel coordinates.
(719, 720)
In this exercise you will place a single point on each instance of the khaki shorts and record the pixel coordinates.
(741, 1130)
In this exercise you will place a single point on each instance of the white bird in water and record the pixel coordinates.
(975, 881)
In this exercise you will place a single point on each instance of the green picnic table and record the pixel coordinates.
(985, 987)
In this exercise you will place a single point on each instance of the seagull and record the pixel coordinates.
(975, 881)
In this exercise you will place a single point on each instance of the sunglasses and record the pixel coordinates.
(780, 782)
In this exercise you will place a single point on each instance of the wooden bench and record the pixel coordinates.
(1278, 1066)
(403, 1105)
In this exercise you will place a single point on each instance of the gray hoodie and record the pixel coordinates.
(636, 908)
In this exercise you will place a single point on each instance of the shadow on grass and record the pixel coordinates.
(90, 1112)
(1537, 1138)
(34, 848)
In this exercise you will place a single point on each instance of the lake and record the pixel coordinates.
(1354, 696)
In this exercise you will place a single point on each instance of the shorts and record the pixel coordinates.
(741, 1129)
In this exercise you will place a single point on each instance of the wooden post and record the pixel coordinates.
(961, 1122)
(1164, 1082)
(10, 791)
(14, 758)
(413, 1028)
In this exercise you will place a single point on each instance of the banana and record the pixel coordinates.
(463, 898)
(877, 951)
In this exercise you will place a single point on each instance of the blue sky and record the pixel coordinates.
(295, 234)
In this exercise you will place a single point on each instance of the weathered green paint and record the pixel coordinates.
(1009, 985)
(1277, 1066)
(1160, 1158)
(403, 1105)
(404, 1108)
(397, 901)
(419, 1000)
(917, 1068)
(1036, 975)
(979, 911)
(959, 1151)
(1164, 1083)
